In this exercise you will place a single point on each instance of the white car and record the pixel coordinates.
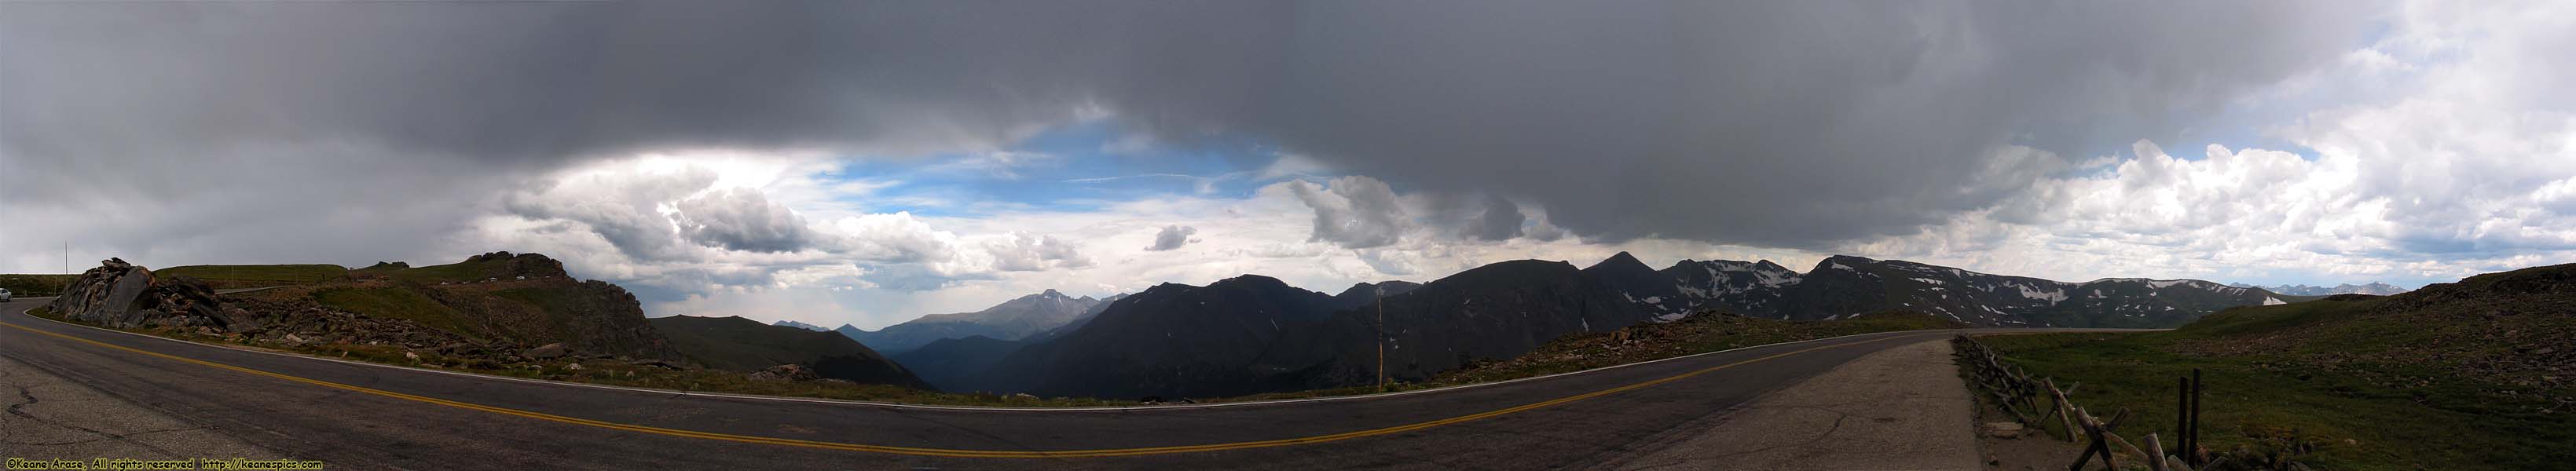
(5, 296)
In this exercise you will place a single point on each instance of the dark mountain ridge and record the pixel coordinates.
(1253, 334)
(950, 364)
(1495, 311)
(1171, 339)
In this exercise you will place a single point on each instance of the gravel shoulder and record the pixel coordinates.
(1901, 408)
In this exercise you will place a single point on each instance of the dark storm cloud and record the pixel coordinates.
(1354, 212)
(1501, 220)
(1780, 123)
(1776, 123)
(1172, 237)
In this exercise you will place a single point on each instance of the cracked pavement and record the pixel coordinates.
(1900, 408)
(49, 417)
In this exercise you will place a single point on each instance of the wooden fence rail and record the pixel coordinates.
(2020, 395)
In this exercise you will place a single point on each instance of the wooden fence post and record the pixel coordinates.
(2191, 439)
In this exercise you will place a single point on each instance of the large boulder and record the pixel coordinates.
(123, 295)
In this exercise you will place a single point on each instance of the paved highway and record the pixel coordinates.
(356, 416)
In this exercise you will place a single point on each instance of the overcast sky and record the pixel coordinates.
(869, 162)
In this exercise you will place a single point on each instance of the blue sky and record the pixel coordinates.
(1074, 167)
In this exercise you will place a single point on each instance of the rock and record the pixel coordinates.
(240, 321)
(2003, 429)
(572, 367)
(122, 295)
(656, 364)
(415, 357)
(291, 339)
(787, 372)
(550, 350)
(1021, 397)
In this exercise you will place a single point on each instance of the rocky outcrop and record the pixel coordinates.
(123, 295)
(507, 265)
(297, 322)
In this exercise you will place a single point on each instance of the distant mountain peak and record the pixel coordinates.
(1766, 265)
(1011, 320)
(1841, 262)
(1382, 288)
(1620, 260)
(800, 325)
(1622, 265)
(2372, 288)
(1249, 280)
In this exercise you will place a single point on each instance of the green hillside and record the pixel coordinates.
(735, 343)
(534, 305)
(258, 276)
(35, 285)
(386, 302)
(2471, 375)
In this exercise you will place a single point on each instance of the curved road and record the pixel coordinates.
(373, 417)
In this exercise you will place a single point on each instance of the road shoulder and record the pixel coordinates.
(48, 417)
(1902, 408)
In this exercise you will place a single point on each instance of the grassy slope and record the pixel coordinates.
(742, 344)
(2418, 382)
(622, 374)
(398, 303)
(256, 276)
(35, 285)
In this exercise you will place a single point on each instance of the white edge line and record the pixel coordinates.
(899, 405)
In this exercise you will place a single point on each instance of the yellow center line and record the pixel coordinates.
(954, 453)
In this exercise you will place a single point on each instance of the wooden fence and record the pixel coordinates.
(2038, 402)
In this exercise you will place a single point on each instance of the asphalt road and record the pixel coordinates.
(355, 416)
